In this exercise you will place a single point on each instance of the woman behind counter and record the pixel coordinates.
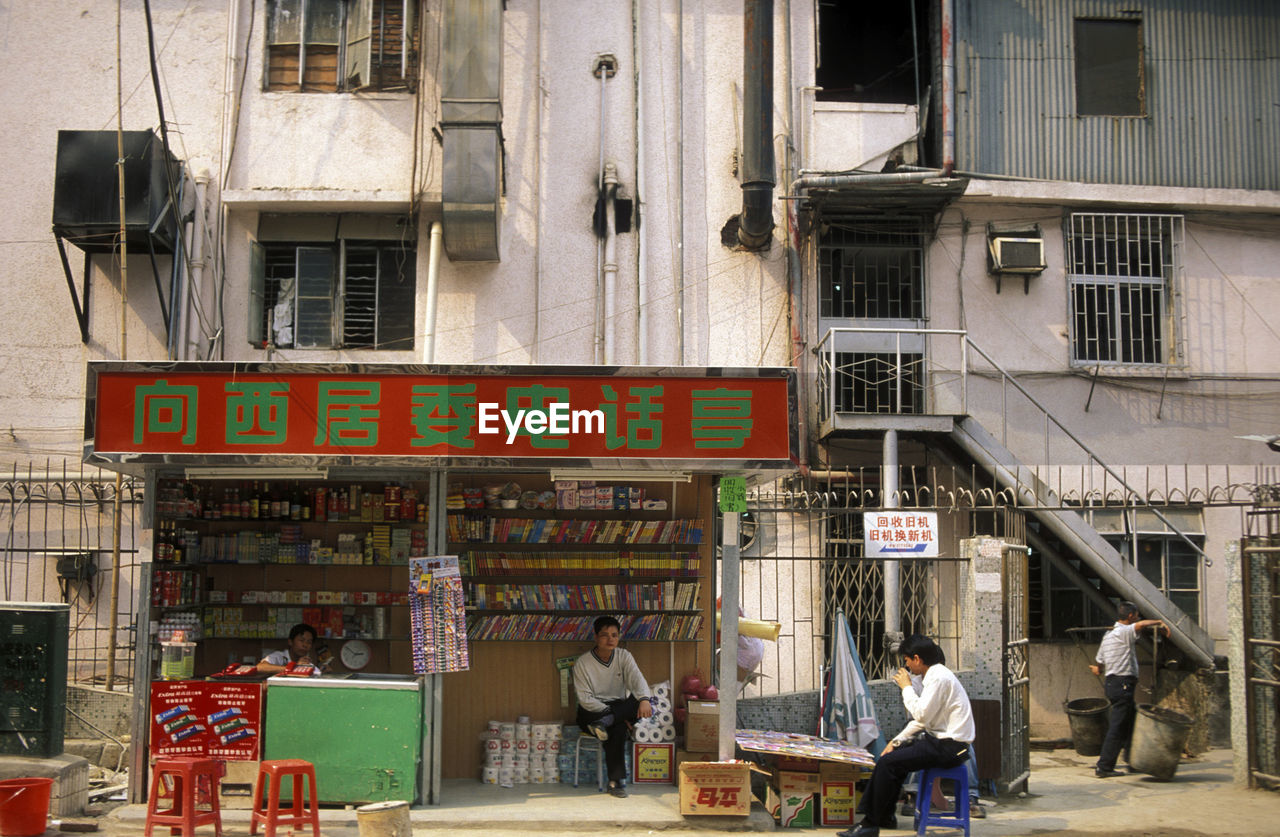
(301, 637)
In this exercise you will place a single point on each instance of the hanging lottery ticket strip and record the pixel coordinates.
(437, 616)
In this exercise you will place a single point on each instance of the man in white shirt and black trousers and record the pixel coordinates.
(938, 734)
(1118, 657)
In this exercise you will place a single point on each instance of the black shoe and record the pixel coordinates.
(1107, 774)
(617, 789)
(599, 731)
(977, 812)
(863, 830)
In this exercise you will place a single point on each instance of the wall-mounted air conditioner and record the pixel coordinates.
(1015, 251)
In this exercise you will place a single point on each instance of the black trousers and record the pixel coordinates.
(619, 713)
(1120, 691)
(885, 785)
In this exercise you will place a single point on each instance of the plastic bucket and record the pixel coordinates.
(1088, 719)
(1159, 736)
(24, 806)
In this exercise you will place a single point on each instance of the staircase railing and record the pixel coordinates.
(910, 370)
(1007, 380)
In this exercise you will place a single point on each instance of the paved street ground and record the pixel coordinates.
(1064, 800)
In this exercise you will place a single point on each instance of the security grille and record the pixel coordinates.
(1123, 274)
(872, 270)
(879, 382)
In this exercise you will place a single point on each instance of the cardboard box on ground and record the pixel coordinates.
(805, 799)
(702, 726)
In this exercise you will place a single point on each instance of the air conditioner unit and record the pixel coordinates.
(1017, 255)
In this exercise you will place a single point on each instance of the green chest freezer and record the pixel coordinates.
(362, 732)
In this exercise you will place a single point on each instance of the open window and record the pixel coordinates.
(333, 282)
(872, 52)
(328, 46)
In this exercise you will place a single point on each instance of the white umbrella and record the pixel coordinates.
(847, 711)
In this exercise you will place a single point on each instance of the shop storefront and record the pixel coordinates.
(279, 494)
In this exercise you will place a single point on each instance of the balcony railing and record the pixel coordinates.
(895, 371)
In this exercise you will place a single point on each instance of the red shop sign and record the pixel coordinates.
(254, 410)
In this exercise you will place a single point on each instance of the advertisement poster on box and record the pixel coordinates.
(218, 720)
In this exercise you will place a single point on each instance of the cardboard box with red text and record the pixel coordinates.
(715, 787)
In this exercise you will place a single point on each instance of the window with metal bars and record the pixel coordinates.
(872, 269)
(1122, 271)
(348, 294)
(330, 46)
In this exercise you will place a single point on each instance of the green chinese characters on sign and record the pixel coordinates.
(644, 432)
(165, 408)
(538, 397)
(347, 413)
(721, 417)
(257, 413)
(443, 415)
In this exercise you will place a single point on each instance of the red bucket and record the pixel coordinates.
(24, 807)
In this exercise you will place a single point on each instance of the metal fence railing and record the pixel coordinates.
(59, 540)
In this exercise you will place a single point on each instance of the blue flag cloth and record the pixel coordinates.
(847, 711)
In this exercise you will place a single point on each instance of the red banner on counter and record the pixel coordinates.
(180, 410)
(206, 718)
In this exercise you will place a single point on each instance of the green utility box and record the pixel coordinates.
(363, 733)
(33, 678)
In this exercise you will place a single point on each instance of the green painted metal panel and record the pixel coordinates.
(365, 741)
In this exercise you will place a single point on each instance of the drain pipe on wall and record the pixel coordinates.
(433, 291)
(610, 265)
(755, 224)
(642, 257)
(195, 292)
(947, 48)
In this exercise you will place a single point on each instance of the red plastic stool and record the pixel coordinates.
(270, 775)
(187, 775)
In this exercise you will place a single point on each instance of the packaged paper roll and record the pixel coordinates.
(668, 734)
(492, 745)
(537, 775)
(520, 760)
(495, 727)
(507, 730)
(524, 731)
(522, 745)
(541, 732)
(489, 775)
(493, 760)
(664, 719)
(539, 745)
(553, 745)
(521, 777)
(506, 744)
(551, 776)
(523, 719)
(645, 734)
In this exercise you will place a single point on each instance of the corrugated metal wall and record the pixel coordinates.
(1212, 94)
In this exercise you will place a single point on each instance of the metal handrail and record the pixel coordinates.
(1006, 379)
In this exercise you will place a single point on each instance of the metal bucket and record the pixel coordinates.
(1159, 736)
(1088, 718)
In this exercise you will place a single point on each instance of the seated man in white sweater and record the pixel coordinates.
(611, 694)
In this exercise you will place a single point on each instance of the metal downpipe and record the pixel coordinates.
(755, 224)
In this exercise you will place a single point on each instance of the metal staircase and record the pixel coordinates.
(1070, 527)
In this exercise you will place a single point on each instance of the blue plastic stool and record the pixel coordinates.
(588, 738)
(924, 797)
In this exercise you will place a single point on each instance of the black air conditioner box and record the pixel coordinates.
(86, 195)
